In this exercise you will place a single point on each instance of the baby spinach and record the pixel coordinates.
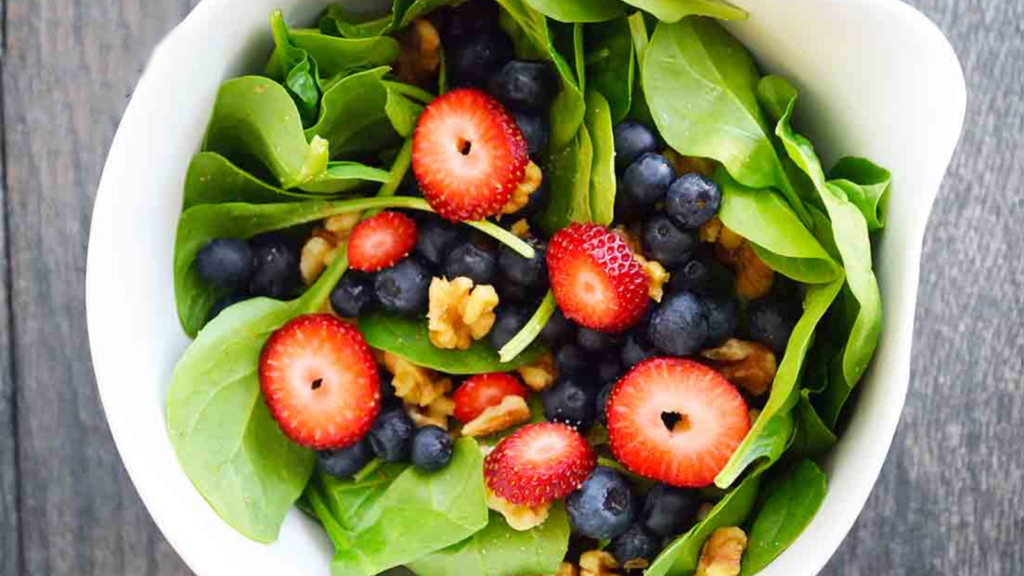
(498, 550)
(787, 511)
(354, 503)
(335, 22)
(213, 179)
(700, 84)
(529, 333)
(812, 436)
(675, 10)
(602, 172)
(337, 56)
(578, 10)
(638, 109)
(298, 70)
(404, 12)
(610, 64)
(569, 171)
(255, 118)
(341, 177)
(866, 184)
(410, 339)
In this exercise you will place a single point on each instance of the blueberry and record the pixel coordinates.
(723, 315)
(226, 262)
(277, 270)
(665, 242)
(388, 394)
(538, 201)
(636, 548)
(636, 349)
(470, 19)
(571, 360)
(770, 321)
(558, 329)
(432, 448)
(609, 371)
(645, 182)
(403, 288)
(346, 462)
(481, 57)
(535, 129)
(632, 140)
(525, 85)
(512, 293)
(225, 303)
(353, 295)
(669, 511)
(510, 320)
(436, 239)
(477, 263)
(679, 326)
(693, 200)
(391, 435)
(526, 272)
(601, 403)
(570, 402)
(594, 341)
(702, 275)
(602, 508)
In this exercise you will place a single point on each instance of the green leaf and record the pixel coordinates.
(700, 84)
(569, 171)
(866, 185)
(578, 10)
(410, 339)
(498, 550)
(785, 514)
(335, 22)
(638, 110)
(337, 56)
(298, 70)
(354, 504)
(213, 179)
(342, 177)
(405, 12)
(675, 10)
(602, 172)
(812, 437)
(255, 118)
(529, 333)
(610, 64)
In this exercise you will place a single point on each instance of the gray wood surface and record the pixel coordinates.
(950, 497)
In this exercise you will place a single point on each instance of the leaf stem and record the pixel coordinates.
(529, 333)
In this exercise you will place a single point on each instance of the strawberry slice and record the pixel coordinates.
(540, 463)
(468, 155)
(596, 279)
(320, 381)
(676, 421)
(483, 391)
(381, 241)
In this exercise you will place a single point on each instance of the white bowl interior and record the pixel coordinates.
(877, 79)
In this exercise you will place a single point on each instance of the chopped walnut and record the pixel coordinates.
(519, 517)
(598, 563)
(540, 375)
(419, 57)
(521, 228)
(512, 410)
(722, 553)
(728, 245)
(746, 364)
(322, 247)
(434, 414)
(414, 384)
(655, 271)
(567, 569)
(460, 313)
(754, 278)
(690, 164)
(709, 232)
(532, 180)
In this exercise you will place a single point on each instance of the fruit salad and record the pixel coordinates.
(520, 288)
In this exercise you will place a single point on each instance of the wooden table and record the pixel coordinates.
(949, 500)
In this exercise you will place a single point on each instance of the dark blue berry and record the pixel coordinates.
(388, 394)
(525, 85)
(665, 242)
(535, 129)
(645, 183)
(637, 348)
(346, 462)
(225, 303)
(702, 275)
(436, 238)
(226, 262)
(470, 19)
(770, 321)
(693, 200)
(669, 511)
(636, 548)
(482, 56)
(571, 360)
(723, 316)
(608, 371)
(510, 320)
(512, 293)
(538, 201)
(570, 402)
(526, 272)
(391, 435)
(679, 326)
(478, 263)
(601, 403)
(277, 270)
(602, 508)
(403, 288)
(632, 140)
(558, 329)
(594, 341)
(353, 295)
(432, 448)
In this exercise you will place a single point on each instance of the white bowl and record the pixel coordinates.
(877, 78)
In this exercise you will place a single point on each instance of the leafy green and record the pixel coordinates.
(785, 514)
(866, 184)
(409, 338)
(498, 550)
(213, 179)
(341, 177)
(675, 10)
(610, 64)
(337, 56)
(335, 22)
(569, 172)
(354, 503)
(298, 70)
(578, 10)
(638, 110)
(602, 172)
(529, 333)
(812, 436)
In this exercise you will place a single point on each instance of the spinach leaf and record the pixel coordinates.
(341, 177)
(354, 503)
(498, 550)
(409, 338)
(700, 84)
(638, 110)
(610, 64)
(602, 172)
(298, 70)
(529, 333)
(213, 179)
(569, 172)
(866, 185)
(337, 56)
(785, 514)
(255, 118)
(578, 10)
(335, 22)
(812, 437)
(771, 432)
(675, 10)
(405, 12)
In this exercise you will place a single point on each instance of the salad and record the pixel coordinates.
(520, 287)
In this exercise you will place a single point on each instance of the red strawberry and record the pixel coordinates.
(676, 421)
(320, 382)
(381, 241)
(596, 279)
(483, 391)
(540, 463)
(468, 155)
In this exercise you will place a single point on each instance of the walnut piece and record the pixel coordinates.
(521, 228)
(722, 553)
(532, 180)
(690, 164)
(748, 365)
(419, 56)
(322, 247)
(709, 232)
(598, 563)
(655, 271)
(540, 375)
(414, 384)
(567, 569)
(753, 278)
(434, 414)
(519, 517)
(512, 410)
(460, 313)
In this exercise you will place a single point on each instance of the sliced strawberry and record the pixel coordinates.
(468, 155)
(320, 381)
(483, 391)
(540, 463)
(596, 279)
(676, 421)
(381, 241)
